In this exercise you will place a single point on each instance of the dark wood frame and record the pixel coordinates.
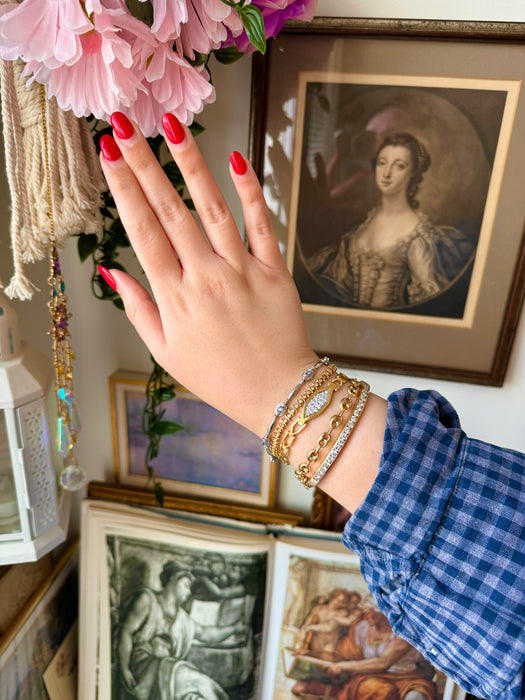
(133, 496)
(513, 32)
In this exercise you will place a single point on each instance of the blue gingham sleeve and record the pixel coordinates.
(441, 540)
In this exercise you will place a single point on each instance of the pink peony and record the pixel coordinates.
(209, 24)
(168, 15)
(104, 78)
(46, 31)
(275, 13)
(171, 84)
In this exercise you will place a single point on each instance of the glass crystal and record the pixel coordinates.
(63, 437)
(73, 476)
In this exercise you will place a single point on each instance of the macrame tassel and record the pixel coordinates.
(75, 185)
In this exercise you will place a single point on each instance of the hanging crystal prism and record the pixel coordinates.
(63, 437)
(73, 476)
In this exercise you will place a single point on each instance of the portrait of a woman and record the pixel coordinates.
(397, 257)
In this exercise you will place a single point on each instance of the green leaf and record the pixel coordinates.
(174, 175)
(118, 303)
(158, 490)
(87, 244)
(118, 234)
(165, 427)
(199, 60)
(141, 10)
(189, 203)
(228, 55)
(253, 23)
(196, 128)
(164, 394)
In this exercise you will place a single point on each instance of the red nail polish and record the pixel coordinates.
(108, 277)
(238, 163)
(173, 128)
(122, 125)
(109, 148)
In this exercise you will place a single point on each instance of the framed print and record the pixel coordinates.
(38, 653)
(180, 606)
(390, 156)
(212, 457)
(320, 621)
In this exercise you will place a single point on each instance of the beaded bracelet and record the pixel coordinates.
(341, 440)
(315, 406)
(275, 439)
(281, 407)
(325, 438)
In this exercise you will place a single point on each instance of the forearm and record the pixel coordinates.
(211, 634)
(124, 651)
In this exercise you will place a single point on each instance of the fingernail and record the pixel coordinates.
(108, 277)
(173, 128)
(109, 148)
(238, 163)
(122, 125)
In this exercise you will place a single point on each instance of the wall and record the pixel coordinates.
(104, 341)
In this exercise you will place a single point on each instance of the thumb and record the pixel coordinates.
(140, 309)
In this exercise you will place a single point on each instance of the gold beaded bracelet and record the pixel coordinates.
(335, 423)
(286, 417)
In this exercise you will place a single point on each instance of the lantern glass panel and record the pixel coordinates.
(9, 516)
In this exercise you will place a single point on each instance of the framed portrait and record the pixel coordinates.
(212, 457)
(322, 616)
(38, 653)
(390, 156)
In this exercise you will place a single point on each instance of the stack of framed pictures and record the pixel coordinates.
(177, 605)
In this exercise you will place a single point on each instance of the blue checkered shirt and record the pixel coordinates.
(441, 539)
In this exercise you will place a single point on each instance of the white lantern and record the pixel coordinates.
(30, 522)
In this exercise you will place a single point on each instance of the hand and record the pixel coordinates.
(128, 679)
(225, 322)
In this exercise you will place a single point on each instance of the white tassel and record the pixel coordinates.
(75, 178)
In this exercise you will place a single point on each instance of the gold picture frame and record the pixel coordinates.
(365, 78)
(211, 458)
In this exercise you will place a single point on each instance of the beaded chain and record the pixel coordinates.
(73, 476)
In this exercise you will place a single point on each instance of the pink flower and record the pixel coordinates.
(275, 13)
(171, 85)
(168, 15)
(46, 31)
(209, 24)
(104, 78)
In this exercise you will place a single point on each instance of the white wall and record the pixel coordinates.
(104, 341)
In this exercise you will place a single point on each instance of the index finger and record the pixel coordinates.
(149, 241)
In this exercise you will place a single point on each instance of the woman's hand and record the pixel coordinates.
(227, 323)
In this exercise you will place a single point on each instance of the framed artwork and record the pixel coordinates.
(321, 618)
(212, 457)
(38, 653)
(225, 610)
(390, 155)
(180, 606)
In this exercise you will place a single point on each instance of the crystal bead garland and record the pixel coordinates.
(73, 476)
